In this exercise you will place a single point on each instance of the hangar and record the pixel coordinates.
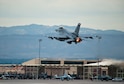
(60, 66)
(83, 69)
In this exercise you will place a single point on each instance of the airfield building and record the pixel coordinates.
(59, 67)
(83, 69)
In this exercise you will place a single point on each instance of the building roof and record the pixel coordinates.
(45, 61)
(106, 62)
(32, 62)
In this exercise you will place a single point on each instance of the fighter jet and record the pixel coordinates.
(69, 37)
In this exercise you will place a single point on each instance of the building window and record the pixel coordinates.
(73, 62)
(103, 72)
(86, 70)
(50, 62)
(90, 62)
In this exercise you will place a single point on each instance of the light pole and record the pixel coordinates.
(98, 37)
(39, 59)
(39, 49)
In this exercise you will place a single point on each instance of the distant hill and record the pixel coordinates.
(22, 42)
(34, 29)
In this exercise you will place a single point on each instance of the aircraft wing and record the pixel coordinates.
(90, 36)
(59, 38)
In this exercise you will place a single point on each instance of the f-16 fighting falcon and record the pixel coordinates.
(69, 37)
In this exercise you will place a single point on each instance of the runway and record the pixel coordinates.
(57, 82)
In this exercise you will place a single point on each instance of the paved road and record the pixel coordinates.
(56, 82)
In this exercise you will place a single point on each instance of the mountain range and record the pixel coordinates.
(22, 42)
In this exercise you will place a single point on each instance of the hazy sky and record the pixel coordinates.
(98, 14)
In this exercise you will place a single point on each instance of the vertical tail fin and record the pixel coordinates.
(77, 29)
